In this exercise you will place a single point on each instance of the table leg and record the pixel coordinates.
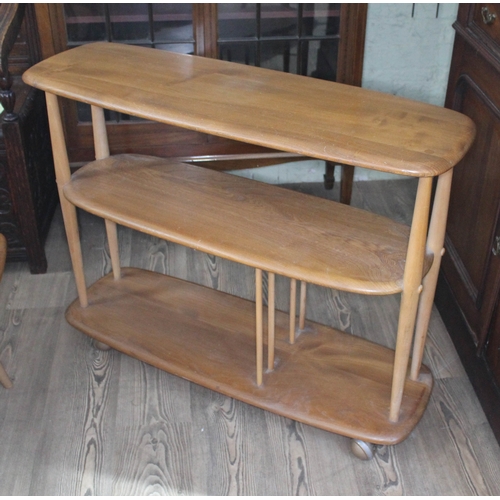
(270, 320)
(63, 174)
(435, 245)
(412, 286)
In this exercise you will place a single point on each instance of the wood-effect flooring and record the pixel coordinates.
(80, 421)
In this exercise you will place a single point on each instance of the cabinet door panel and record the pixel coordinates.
(471, 266)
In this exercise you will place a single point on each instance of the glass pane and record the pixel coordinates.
(279, 55)
(319, 58)
(237, 20)
(173, 22)
(180, 48)
(279, 19)
(321, 19)
(129, 21)
(85, 22)
(238, 52)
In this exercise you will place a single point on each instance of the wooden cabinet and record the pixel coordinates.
(471, 266)
(28, 193)
(321, 40)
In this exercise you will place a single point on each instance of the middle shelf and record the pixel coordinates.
(262, 226)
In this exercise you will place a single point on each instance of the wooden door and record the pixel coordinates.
(472, 263)
(194, 28)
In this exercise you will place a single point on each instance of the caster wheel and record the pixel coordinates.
(101, 346)
(362, 449)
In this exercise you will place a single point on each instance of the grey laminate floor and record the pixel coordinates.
(82, 421)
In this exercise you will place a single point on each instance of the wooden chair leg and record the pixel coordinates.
(329, 177)
(4, 378)
(346, 184)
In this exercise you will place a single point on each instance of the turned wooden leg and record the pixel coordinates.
(302, 307)
(112, 234)
(435, 245)
(293, 308)
(258, 325)
(63, 175)
(270, 320)
(346, 184)
(329, 177)
(412, 287)
(101, 346)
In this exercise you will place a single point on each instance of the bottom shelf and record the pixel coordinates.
(327, 379)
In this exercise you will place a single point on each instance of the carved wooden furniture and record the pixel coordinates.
(210, 30)
(471, 268)
(324, 378)
(28, 194)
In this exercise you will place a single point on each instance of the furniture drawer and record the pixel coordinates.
(487, 18)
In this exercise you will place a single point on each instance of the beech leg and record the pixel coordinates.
(270, 321)
(412, 281)
(293, 308)
(302, 309)
(63, 174)
(258, 326)
(101, 147)
(435, 245)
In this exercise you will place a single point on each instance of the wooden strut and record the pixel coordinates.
(63, 174)
(102, 151)
(270, 320)
(302, 309)
(258, 324)
(435, 245)
(293, 308)
(412, 281)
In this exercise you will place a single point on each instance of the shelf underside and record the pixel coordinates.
(261, 226)
(327, 379)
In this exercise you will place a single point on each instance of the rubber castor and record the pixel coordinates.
(362, 449)
(101, 346)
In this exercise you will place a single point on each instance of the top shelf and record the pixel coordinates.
(292, 113)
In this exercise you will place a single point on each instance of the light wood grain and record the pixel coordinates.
(61, 165)
(255, 224)
(211, 341)
(315, 118)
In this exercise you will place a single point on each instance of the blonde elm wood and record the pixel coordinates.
(435, 245)
(61, 165)
(293, 310)
(291, 113)
(271, 299)
(259, 342)
(328, 379)
(302, 309)
(246, 221)
(101, 146)
(411, 293)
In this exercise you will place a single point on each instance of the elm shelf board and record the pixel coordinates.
(265, 227)
(208, 337)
